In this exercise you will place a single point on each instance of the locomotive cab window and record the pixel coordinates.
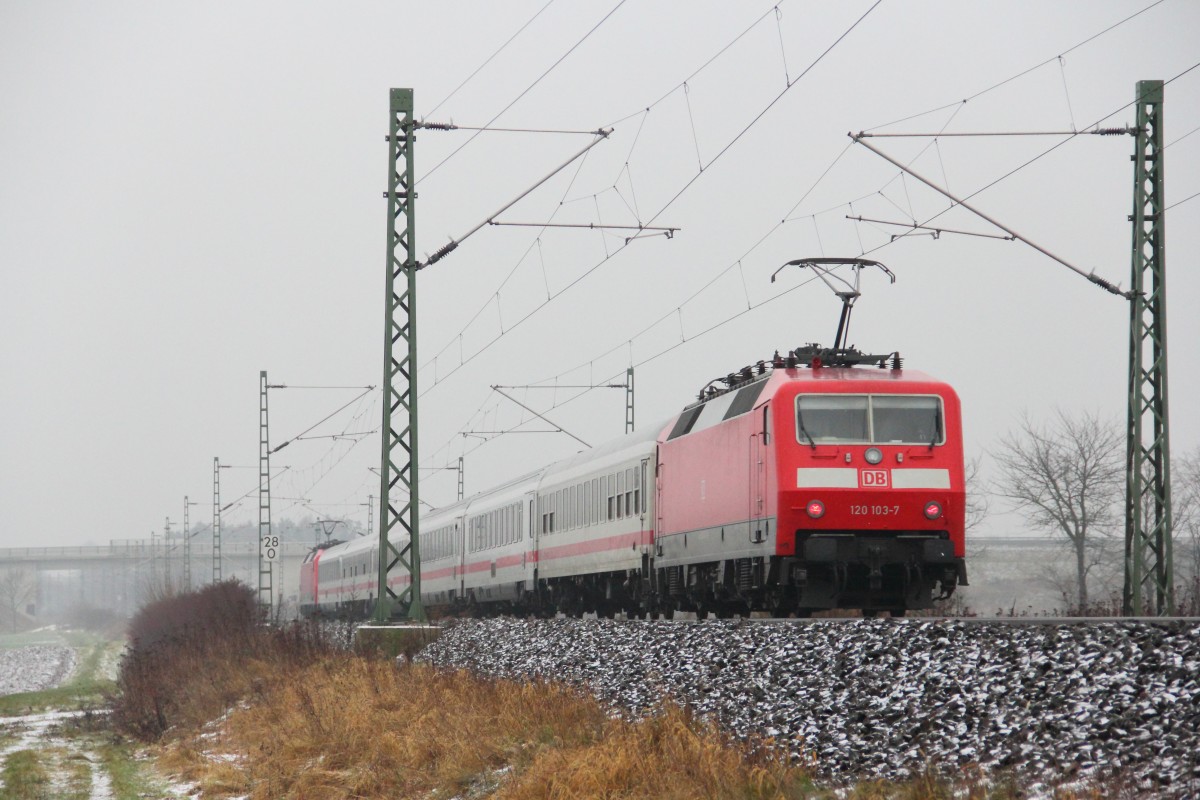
(877, 419)
(823, 418)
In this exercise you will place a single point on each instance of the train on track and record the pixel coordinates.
(826, 478)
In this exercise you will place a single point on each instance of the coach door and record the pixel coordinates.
(459, 559)
(659, 527)
(529, 545)
(642, 499)
(758, 476)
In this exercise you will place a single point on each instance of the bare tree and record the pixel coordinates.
(977, 504)
(1068, 478)
(16, 588)
(1185, 488)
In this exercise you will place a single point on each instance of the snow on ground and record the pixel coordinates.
(33, 668)
(881, 698)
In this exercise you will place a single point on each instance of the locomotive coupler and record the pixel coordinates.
(874, 559)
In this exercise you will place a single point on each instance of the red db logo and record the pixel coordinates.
(874, 478)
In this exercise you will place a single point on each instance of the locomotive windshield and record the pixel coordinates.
(878, 419)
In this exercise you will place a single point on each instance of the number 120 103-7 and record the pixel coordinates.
(882, 511)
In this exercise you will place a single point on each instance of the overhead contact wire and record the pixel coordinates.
(489, 59)
(526, 91)
(1020, 74)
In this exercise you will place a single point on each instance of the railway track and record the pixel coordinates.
(1111, 700)
(689, 618)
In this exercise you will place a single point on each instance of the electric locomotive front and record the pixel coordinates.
(870, 487)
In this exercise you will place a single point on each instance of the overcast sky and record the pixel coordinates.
(191, 193)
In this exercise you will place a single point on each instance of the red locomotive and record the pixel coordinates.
(826, 479)
(814, 487)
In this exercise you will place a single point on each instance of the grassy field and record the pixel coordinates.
(9, 641)
(88, 686)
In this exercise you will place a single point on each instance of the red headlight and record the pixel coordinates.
(815, 509)
(933, 510)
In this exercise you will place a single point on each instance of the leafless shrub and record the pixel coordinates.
(192, 656)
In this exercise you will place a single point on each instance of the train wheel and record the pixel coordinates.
(897, 612)
(870, 613)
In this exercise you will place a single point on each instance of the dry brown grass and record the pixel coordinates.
(670, 756)
(349, 727)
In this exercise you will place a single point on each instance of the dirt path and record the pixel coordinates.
(59, 753)
(64, 753)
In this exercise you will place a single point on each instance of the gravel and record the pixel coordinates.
(1117, 703)
(33, 668)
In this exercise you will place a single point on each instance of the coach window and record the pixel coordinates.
(620, 494)
(637, 491)
(831, 418)
(907, 419)
(629, 507)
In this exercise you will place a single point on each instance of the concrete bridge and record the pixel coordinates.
(124, 574)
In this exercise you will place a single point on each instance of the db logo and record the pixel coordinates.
(875, 478)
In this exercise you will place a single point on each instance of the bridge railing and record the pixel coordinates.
(138, 548)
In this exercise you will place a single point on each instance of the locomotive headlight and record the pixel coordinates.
(815, 509)
(873, 455)
(933, 510)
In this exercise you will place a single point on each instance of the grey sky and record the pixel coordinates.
(192, 192)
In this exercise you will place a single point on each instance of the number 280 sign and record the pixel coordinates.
(268, 547)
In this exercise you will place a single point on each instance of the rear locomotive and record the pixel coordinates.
(826, 479)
